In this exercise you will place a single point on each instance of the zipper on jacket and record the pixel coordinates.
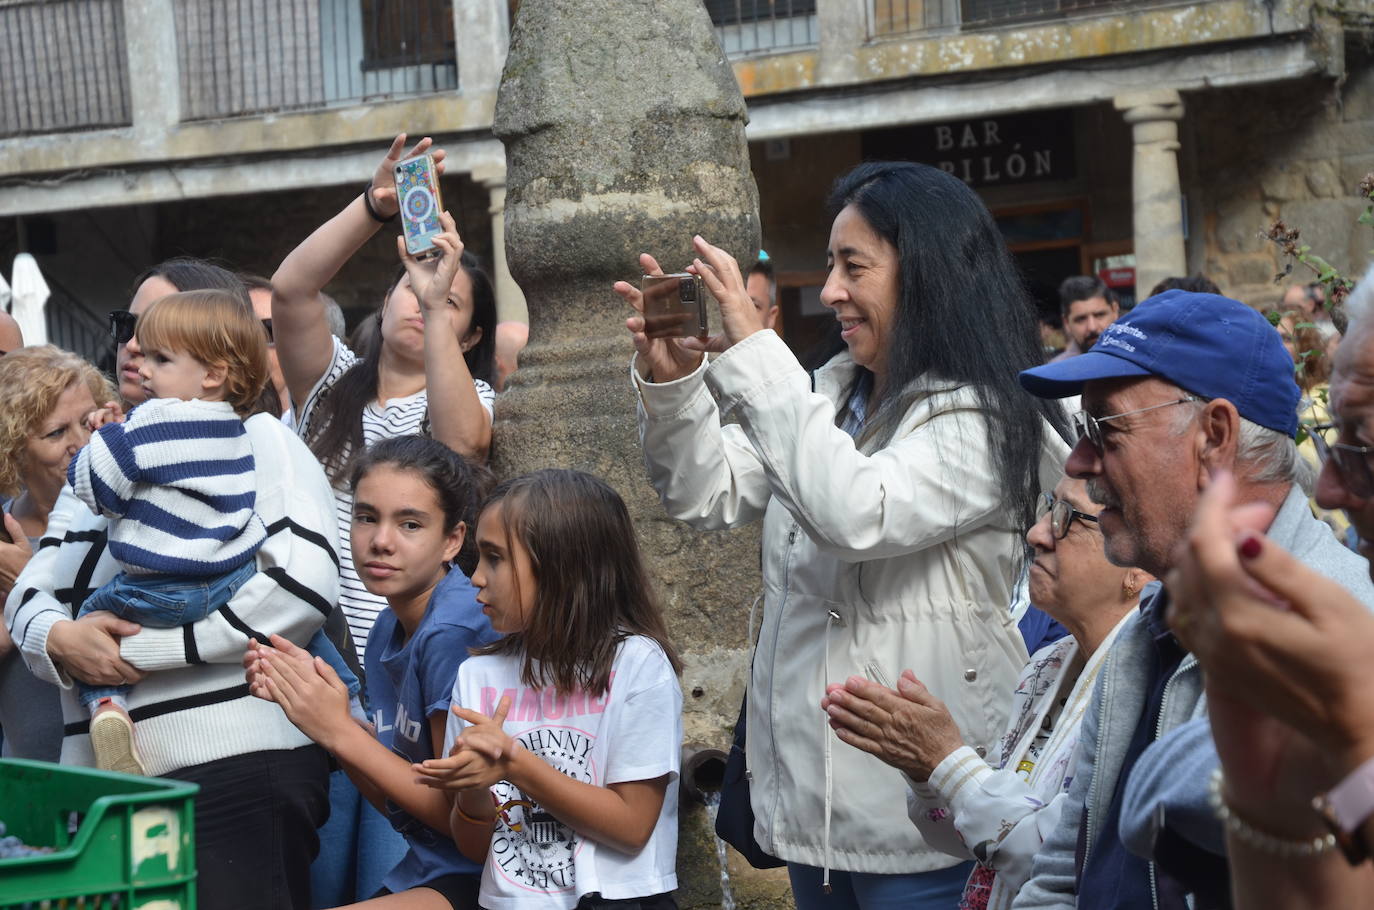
(772, 670)
(1097, 762)
(1159, 731)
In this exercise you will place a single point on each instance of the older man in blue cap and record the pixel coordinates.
(1184, 385)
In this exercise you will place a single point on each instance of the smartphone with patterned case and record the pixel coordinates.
(417, 189)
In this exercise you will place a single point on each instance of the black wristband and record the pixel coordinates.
(372, 212)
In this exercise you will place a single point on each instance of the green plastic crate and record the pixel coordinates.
(133, 847)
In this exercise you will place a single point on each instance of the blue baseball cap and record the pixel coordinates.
(1206, 344)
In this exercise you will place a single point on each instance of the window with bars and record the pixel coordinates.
(407, 33)
(750, 26)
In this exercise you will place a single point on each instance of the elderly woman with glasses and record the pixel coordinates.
(998, 813)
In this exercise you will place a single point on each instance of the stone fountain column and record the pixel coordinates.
(624, 133)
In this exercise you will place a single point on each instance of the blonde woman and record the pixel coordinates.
(45, 395)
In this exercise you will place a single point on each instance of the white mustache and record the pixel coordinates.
(1099, 494)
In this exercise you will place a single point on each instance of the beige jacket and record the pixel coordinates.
(873, 562)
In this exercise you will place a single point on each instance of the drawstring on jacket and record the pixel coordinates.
(831, 618)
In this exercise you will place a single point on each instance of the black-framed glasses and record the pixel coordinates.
(1351, 462)
(122, 324)
(1062, 513)
(1087, 425)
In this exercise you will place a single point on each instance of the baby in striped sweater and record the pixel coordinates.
(177, 481)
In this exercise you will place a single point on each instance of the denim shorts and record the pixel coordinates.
(167, 601)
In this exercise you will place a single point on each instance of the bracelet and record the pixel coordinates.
(458, 807)
(367, 204)
(1263, 841)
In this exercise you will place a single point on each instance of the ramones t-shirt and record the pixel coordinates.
(633, 732)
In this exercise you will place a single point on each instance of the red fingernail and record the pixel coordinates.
(1249, 547)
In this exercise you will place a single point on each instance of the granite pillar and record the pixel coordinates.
(624, 133)
(1158, 199)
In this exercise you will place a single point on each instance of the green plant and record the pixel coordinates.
(1336, 285)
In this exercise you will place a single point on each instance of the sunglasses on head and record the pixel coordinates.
(122, 324)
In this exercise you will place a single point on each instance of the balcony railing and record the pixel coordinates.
(762, 26)
(242, 57)
(62, 66)
(897, 17)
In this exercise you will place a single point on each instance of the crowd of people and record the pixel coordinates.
(1077, 630)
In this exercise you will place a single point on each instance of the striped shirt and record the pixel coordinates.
(400, 417)
(176, 480)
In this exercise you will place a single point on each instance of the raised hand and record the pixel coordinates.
(110, 412)
(13, 556)
(665, 359)
(433, 283)
(738, 315)
(384, 179)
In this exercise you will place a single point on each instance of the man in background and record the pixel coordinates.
(1087, 307)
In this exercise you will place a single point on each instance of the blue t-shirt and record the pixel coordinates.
(409, 681)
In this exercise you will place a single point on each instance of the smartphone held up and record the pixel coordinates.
(417, 190)
(674, 306)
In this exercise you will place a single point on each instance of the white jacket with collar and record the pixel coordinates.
(873, 562)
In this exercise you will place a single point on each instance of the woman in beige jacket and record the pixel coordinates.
(893, 490)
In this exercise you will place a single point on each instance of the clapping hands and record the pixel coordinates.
(480, 757)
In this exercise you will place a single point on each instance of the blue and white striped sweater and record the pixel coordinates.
(177, 478)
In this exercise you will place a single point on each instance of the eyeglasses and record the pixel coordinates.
(1062, 513)
(122, 324)
(1087, 425)
(1351, 462)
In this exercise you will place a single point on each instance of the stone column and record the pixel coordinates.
(1155, 190)
(510, 300)
(624, 133)
(481, 31)
(154, 76)
(843, 28)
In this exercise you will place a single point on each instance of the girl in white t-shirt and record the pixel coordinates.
(566, 733)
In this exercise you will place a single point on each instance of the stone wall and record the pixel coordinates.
(1293, 151)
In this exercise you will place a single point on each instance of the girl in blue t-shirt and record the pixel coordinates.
(413, 500)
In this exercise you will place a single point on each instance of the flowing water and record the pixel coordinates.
(727, 897)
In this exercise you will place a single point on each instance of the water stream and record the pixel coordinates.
(727, 897)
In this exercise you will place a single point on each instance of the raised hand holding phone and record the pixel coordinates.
(433, 283)
(662, 359)
(738, 315)
(383, 194)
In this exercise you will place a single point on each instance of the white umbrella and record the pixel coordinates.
(30, 293)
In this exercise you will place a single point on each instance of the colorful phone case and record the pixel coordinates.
(418, 191)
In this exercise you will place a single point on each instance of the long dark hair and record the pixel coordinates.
(963, 315)
(458, 484)
(187, 273)
(335, 434)
(593, 591)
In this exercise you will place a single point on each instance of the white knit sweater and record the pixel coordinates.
(194, 705)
